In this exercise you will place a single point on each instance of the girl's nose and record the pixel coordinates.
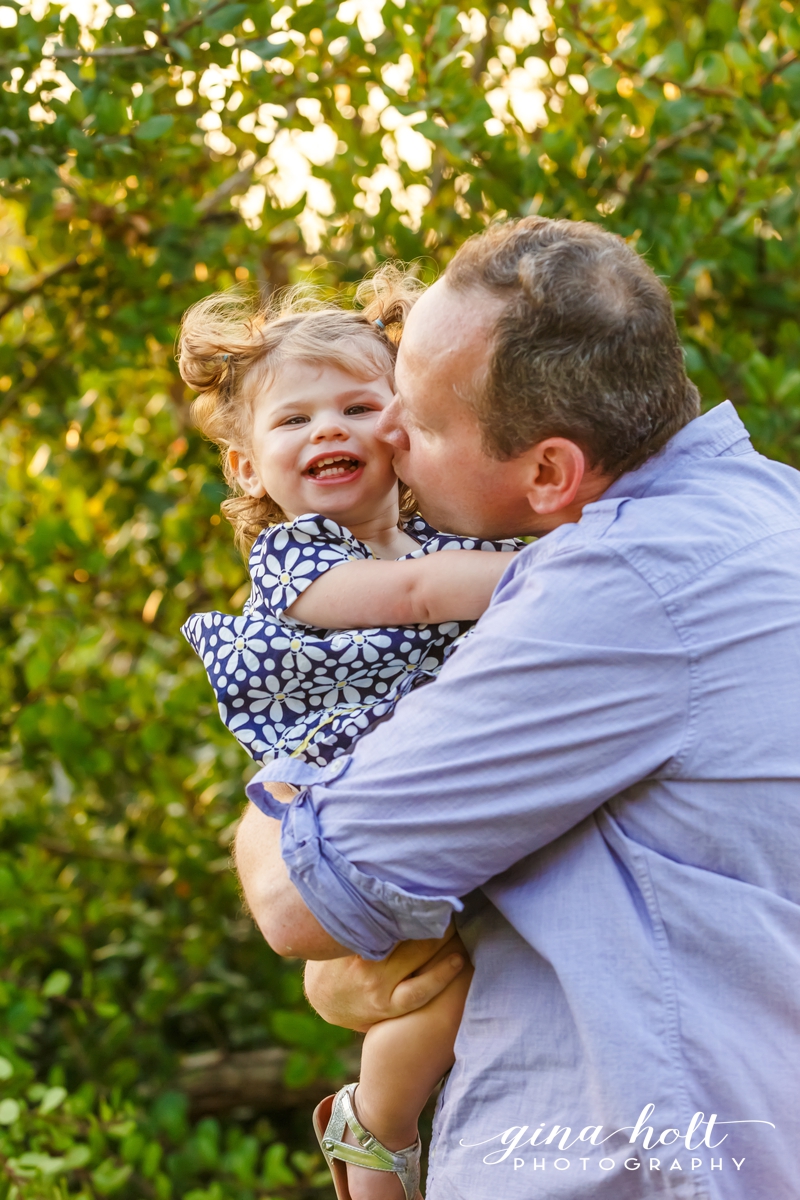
(328, 429)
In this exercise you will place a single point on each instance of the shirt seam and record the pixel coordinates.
(600, 544)
(713, 448)
(690, 652)
(671, 1002)
(756, 541)
(692, 666)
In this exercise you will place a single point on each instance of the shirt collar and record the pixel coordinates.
(706, 436)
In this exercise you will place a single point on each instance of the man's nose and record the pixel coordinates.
(389, 427)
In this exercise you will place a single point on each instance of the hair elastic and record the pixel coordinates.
(225, 357)
(380, 323)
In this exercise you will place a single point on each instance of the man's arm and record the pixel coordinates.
(348, 991)
(288, 925)
(574, 687)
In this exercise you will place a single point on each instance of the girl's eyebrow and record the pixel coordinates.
(343, 397)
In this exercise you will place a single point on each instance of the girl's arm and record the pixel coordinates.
(451, 585)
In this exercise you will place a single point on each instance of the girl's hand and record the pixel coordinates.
(451, 585)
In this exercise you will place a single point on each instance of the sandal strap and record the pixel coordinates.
(369, 1153)
(373, 1160)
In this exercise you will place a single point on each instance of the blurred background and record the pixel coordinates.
(150, 1043)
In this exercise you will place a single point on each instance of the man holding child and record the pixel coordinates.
(603, 781)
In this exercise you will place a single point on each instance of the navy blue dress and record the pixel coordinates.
(285, 688)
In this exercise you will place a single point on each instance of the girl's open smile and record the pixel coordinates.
(335, 468)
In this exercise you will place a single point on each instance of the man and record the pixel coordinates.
(607, 770)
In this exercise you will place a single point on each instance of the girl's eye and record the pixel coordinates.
(355, 410)
(298, 420)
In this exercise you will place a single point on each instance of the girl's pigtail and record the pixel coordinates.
(217, 334)
(221, 337)
(388, 296)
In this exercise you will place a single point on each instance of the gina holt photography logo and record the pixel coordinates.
(645, 1148)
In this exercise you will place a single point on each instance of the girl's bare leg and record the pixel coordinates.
(401, 1063)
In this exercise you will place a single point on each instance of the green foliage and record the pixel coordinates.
(172, 149)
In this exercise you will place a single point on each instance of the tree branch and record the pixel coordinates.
(102, 51)
(25, 385)
(165, 36)
(216, 1082)
(238, 182)
(666, 143)
(633, 69)
(19, 296)
(65, 850)
(783, 62)
(483, 49)
(197, 20)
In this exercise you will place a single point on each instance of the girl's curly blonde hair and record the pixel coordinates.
(230, 347)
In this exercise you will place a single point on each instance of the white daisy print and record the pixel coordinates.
(283, 687)
(284, 579)
(239, 644)
(302, 654)
(367, 644)
(276, 696)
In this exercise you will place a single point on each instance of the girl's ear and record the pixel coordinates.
(245, 475)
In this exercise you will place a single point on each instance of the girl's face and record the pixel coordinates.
(314, 447)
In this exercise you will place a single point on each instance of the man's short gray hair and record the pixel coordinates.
(586, 347)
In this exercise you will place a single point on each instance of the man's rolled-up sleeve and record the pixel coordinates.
(357, 910)
(574, 687)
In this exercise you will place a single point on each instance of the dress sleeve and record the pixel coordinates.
(287, 558)
(431, 540)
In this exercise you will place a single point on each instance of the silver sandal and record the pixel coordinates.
(335, 1113)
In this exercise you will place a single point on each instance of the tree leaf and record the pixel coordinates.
(603, 79)
(154, 128)
(227, 17)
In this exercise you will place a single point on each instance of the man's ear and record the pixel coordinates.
(556, 468)
(245, 474)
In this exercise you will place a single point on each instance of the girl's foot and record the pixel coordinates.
(365, 1184)
(373, 1185)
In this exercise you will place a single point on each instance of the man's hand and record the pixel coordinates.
(358, 994)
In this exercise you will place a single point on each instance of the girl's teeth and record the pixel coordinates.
(329, 471)
(328, 468)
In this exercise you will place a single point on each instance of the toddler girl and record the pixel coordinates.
(351, 606)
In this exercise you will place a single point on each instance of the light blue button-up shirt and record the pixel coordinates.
(609, 771)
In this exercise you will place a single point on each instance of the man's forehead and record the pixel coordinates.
(437, 307)
(446, 328)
